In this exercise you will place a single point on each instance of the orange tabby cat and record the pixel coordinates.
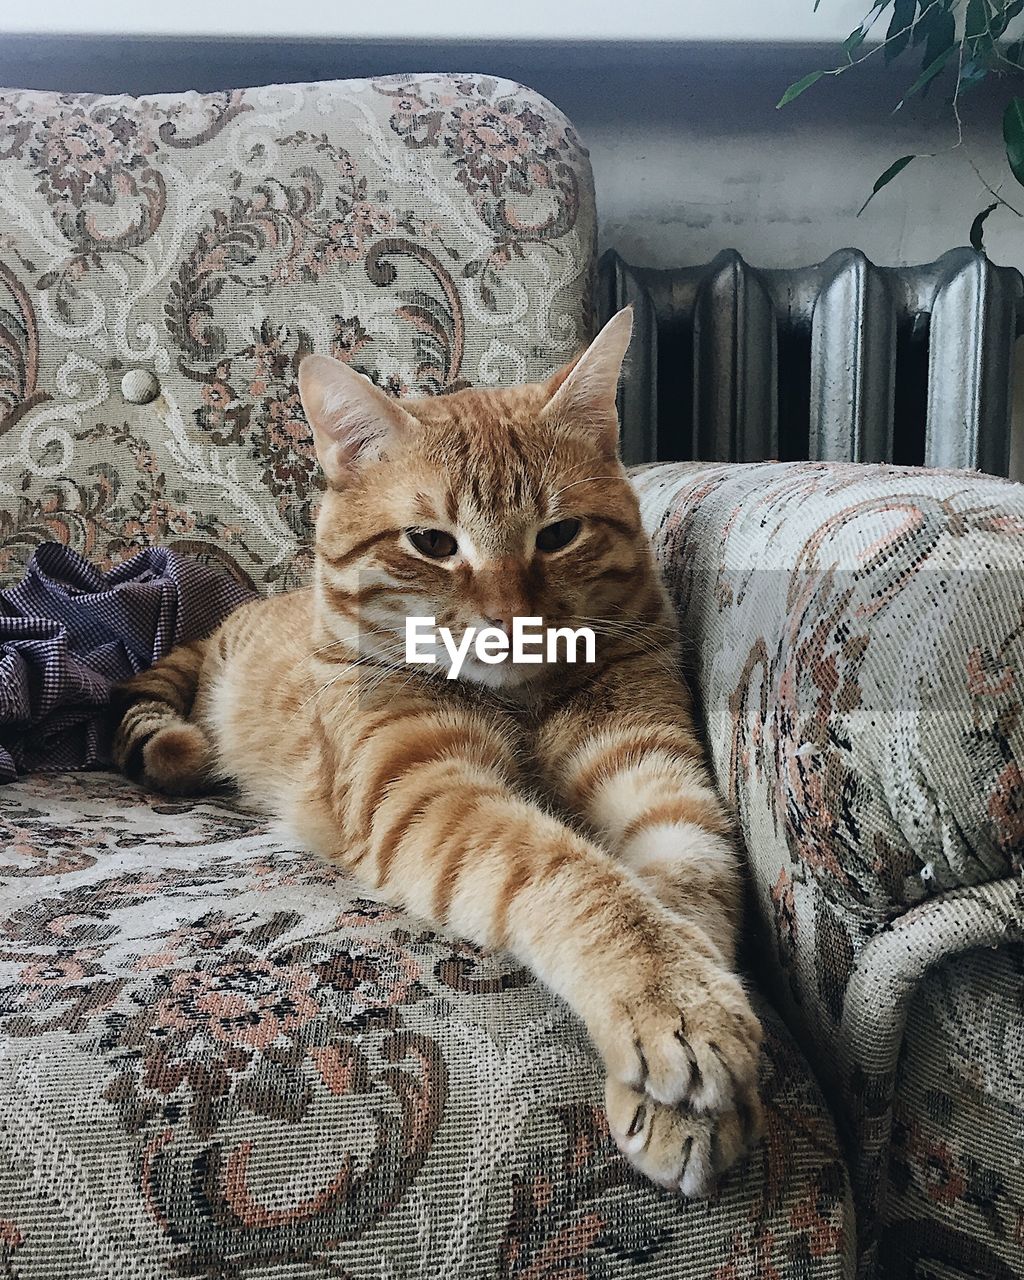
(564, 813)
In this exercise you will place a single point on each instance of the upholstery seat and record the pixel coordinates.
(218, 1058)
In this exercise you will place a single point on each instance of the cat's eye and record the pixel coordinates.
(434, 543)
(554, 537)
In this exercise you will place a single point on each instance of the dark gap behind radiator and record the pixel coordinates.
(675, 388)
(911, 401)
(794, 391)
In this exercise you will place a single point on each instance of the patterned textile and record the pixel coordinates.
(217, 1059)
(954, 1198)
(68, 632)
(165, 262)
(857, 646)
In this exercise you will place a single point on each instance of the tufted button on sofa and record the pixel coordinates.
(139, 386)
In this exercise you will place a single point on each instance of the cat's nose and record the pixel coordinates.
(503, 624)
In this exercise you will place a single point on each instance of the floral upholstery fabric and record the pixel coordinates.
(955, 1199)
(433, 231)
(216, 1059)
(855, 636)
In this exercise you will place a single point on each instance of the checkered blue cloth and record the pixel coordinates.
(68, 632)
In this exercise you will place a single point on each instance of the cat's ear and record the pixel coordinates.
(584, 393)
(353, 421)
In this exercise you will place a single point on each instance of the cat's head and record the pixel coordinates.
(476, 508)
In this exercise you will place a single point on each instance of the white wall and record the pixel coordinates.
(699, 159)
(689, 154)
(448, 19)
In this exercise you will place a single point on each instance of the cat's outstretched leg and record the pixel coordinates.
(625, 758)
(434, 819)
(155, 740)
(628, 763)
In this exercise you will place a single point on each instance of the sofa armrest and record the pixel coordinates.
(854, 636)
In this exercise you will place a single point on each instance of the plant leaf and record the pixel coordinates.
(924, 28)
(1014, 54)
(976, 22)
(939, 29)
(1013, 136)
(795, 90)
(1004, 16)
(855, 39)
(925, 78)
(885, 178)
(898, 36)
(978, 227)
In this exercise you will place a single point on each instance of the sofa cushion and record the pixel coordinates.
(218, 1058)
(166, 261)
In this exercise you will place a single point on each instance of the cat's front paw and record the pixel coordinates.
(680, 1028)
(677, 1148)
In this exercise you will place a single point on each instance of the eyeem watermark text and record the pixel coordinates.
(530, 642)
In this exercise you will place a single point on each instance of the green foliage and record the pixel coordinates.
(967, 37)
(795, 90)
(885, 178)
(1013, 137)
(977, 232)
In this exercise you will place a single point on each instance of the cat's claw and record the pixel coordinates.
(675, 1147)
(687, 1036)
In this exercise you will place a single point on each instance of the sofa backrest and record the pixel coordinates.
(165, 263)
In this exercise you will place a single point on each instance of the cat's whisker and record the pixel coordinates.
(586, 480)
(631, 633)
(626, 627)
(393, 651)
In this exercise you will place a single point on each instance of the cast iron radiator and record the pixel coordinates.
(840, 361)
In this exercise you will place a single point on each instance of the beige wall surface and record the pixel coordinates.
(690, 155)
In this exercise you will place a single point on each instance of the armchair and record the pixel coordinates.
(216, 1057)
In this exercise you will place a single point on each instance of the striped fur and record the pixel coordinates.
(564, 813)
